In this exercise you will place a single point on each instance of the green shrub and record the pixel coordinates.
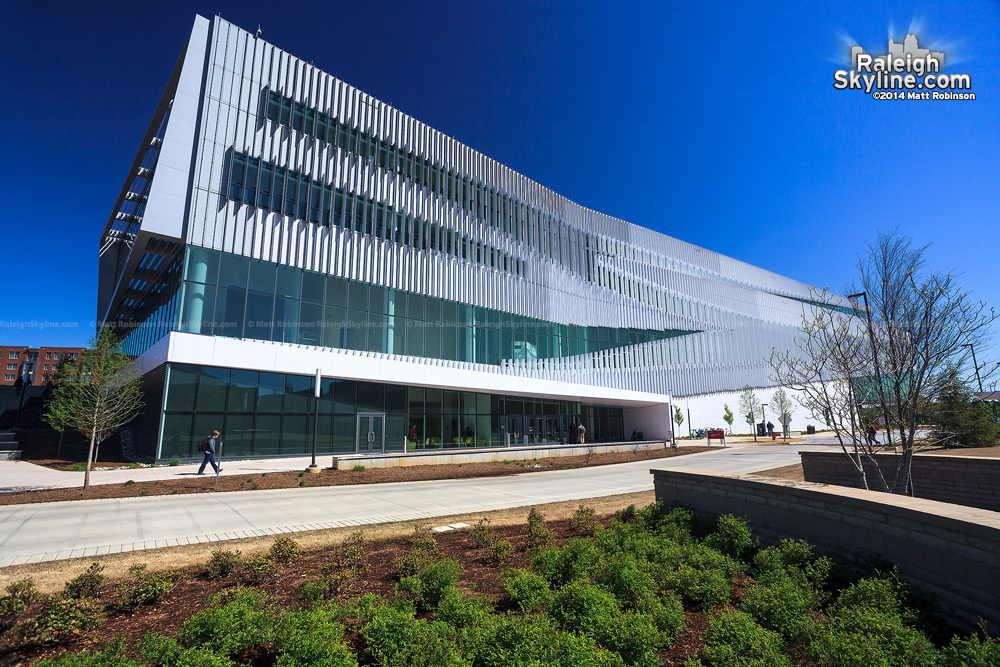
(285, 550)
(222, 563)
(731, 537)
(735, 640)
(145, 587)
(635, 638)
(582, 607)
(311, 639)
(498, 551)
(863, 635)
(167, 651)
(112, 655)
(20, 594)
(62, 619)
(482, 534)
(971, 652)
(529, 590)
(257, 570)
(869, 626)
(395, 637)
(585, 521)
(708, 588)
(428, 585)
(782, 605)
(794, 558)
(667, 612)
(423, 550)
(234, 620)
(85, 584)
(539, 535)
(534, 640)
(358, 468)
(460, 610)
(627, 581)
(574, 561)
(175, 462)
(350, 554)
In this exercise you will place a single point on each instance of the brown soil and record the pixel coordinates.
(792, 472)
(193, 590)
(979, 452)
(191, 483)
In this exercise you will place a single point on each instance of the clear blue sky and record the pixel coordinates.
(716, 123)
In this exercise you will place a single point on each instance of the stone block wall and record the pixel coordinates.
(965, 480)
(949, 550)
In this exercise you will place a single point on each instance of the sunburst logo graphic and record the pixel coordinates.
(906, 71)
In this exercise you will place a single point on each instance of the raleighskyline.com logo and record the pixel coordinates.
(905, 72)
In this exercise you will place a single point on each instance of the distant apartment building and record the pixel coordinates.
(36, 365)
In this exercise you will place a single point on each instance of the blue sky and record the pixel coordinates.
(716, 123)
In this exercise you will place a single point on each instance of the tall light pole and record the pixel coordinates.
(313, 468)
(763, 413)
(975, 365)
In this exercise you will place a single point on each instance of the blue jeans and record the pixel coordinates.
(209, 458)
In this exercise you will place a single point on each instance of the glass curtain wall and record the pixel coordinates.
(271, 414)
(234, 296)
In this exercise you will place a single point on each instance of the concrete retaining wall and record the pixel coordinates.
(949, 550)
(424, 457)
(964, 480)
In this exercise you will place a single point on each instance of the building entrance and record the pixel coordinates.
(371, 433)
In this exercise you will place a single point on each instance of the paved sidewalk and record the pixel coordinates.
(24, 476)
(54, 531)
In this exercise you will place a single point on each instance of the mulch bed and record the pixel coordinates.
(192, 591)
(189, 483)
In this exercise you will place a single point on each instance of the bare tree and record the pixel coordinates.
(749, 405)
(101, 396)
(893, 357)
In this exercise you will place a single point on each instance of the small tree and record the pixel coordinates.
(727, 416)
(749, 405)
(678, 416)
(782, 406)
(896, 353)
(962, 421)
(55, 414)
(100, 396)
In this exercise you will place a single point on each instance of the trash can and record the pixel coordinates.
(810, 429)
(761, 429)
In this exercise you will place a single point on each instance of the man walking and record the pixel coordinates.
(582, 433)
(208, 446)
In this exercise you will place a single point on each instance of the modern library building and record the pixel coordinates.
(278, 224)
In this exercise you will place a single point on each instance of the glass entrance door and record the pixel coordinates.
(371, 433)
(515, 430)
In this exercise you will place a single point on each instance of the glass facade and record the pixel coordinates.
(271, 414)
(235, 296)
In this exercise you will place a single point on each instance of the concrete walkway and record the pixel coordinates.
(24, 476)
(53, 531)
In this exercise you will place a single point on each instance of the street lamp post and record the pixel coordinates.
(313, 468)
(763, 413)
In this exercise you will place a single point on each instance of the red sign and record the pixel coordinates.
(717, 435)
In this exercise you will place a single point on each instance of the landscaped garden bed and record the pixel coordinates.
(645, 587)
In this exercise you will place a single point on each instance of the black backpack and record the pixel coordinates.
(203, 446)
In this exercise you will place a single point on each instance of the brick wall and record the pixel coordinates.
(964, 480)
(949, 550)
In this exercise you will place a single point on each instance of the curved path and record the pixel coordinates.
(53, 531)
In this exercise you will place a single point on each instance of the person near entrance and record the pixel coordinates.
(208, 447)
(770, 430)
(582, 432)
